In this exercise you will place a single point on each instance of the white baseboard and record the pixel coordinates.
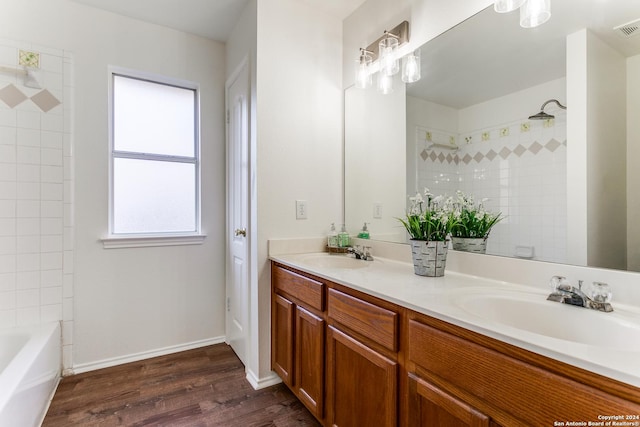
(120, 360)
(264, 382)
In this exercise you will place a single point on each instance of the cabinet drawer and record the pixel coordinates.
(307, 291)
(519, 391)
(369, 320)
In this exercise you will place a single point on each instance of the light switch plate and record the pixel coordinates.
(301, 209)
(377, 210)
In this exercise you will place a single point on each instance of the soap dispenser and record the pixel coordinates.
(343, 237)
(364, 233)
(332, 237)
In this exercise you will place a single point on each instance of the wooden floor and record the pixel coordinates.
(202, 387)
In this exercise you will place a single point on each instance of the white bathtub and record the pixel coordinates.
(30, 365)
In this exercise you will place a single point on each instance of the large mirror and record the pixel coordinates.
(568, 187)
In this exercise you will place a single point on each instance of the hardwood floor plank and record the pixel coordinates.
(202, 387)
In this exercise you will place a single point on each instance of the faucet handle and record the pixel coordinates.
(601, 292)
(559, 283)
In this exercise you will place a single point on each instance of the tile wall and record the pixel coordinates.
(36, 191)
(519, 166)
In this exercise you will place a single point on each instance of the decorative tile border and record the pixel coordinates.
(12, 96)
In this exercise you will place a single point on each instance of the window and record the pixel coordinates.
(154, 143)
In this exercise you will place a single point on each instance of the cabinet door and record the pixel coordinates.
(362, 384)
(431, 406)
(309, 360)
(282, 312)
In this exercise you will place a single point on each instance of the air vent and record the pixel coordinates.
(629, 29)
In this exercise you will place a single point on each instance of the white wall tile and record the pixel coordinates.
(51, 295)
(28, 262)
(52, 122)
(7, 208)
(8, 172)
(8, 300)
(28, 191)
(51, 226)
(52, 140)
(28, 120)
(27, 244)
(51, 261)
(52, 191)
(54, 174)
(27, 316)
(28, 209)
(51, 208)
(8, 117)
(28, 298)
(28, 226)
(7, 318)
(51, 157)
(28, 155)
(7, 245)
(51, 243)
(67, 332)
(7, 226)
(28, 173)
(51, 278)
(67, 288)
(8, 153)
(68, 262)
(51, 313)
(28, 280)
(28, 137)
(7, 282)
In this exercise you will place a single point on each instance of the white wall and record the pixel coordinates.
(374, 161)
(130, 303)
(606, 155)
(633, 158)
(299, 134)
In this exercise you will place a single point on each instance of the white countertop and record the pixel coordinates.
(444, 298)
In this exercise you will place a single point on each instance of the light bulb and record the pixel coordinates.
(534, 13)
(504, 6)
(411, 67)
(388, 47)
(363, 71)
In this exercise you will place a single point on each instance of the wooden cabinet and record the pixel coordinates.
(298, 336)
(431, 406)
(356, 360)
(362, 367)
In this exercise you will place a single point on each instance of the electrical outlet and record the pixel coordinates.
(301, 209)
(377, 210)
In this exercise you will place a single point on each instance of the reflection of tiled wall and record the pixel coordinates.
(520, 167)
(36, 173)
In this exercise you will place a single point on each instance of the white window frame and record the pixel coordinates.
(122, 240)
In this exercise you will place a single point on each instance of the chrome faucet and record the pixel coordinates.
(565, 293)
(363, 254)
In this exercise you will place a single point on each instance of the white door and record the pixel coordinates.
(237, 304)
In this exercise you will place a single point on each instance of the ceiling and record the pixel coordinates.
(213, 19)
(490, 55)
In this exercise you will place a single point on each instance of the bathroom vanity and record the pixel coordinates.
(372, 344)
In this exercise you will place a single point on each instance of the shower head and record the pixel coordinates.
(544, 116)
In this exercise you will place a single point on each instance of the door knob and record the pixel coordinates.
(241, 232)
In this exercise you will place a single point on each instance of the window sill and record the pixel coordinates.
(118, 242)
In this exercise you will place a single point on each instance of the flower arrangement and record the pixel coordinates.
(429, 218)
(473, 221)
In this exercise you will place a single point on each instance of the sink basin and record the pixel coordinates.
(335, 261)
(533, 313)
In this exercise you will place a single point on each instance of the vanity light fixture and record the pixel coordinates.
(411, 67)
(385, 51)
(505, 6)
(532, 12)
(363, 69)
(388, 48)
